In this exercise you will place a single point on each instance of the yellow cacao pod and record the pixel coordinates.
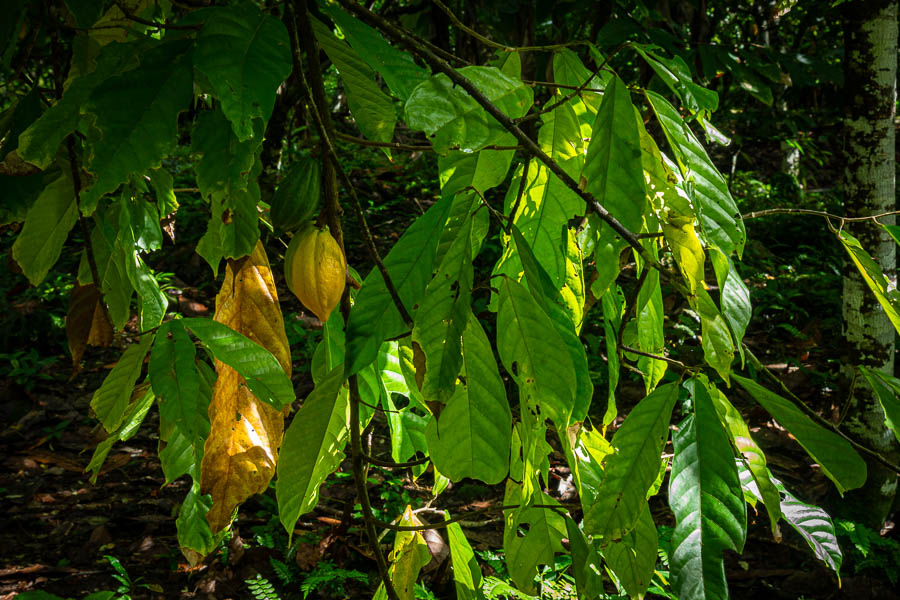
(315, 270)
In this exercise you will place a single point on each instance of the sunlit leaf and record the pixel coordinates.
(888, 296)
(110, 401)
(47, 225)
(633, 558)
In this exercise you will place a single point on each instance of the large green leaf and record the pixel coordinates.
(534, 354)
(531, 536)
(650, 329)
(613, 304)
(887, 388)
(264, 375)
(452, 118)
(633, 558)
(193, 527)
(47, 225)
(718, 348)
(735, 297)
(111, 268)
(466, 572)
(586, 563)
(245, 55)
(371, 108)
(38, 144)
(441, 319)
(399, 70)
(837, 458)
(749, 449)
(471, 436)
(152, 302)
(110, 401)
(888, 297)
(676, 74)
(136, 114)
(569, 70)
(176, 382)
(612, 167)
(633, 467)
(313, 448)
(719, 216)
(547, 297)
(814, 526)
(374, 317)
(705, 495)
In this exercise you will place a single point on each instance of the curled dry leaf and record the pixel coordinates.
(86, 321)
(242, 447)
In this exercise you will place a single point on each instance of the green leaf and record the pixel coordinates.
(466, 572)
(650, 329)
(111, 268)
(441, 319)
(374, 317)
(245, 55)
(452, 118)
(814, 526)
(705, 495)
(264, 375)
(313, 448)
(887, 389)
(613, 304)
(193, 528)
(47, 225)
(545, 294)
(163, 186)
(38, 144)
(526, 337)
(131, 422)
(152, 301)
(176, 381)
(719, 216)
(371, 108)
(888, 297)
(837, 458)
(632, 469)
(612, 167)
(137, 117)
(227, 161)
(586, 563)
(25, 111)
(633, 558)
(676, 74)
(735, 297)
(399, 70)
(471, 436)
(543, 530)
(569, 70)
(110, 401)
(753, 455)
(718, 349)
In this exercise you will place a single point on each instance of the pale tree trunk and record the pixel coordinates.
(870, 70)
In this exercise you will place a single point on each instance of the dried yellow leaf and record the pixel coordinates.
(245, 434)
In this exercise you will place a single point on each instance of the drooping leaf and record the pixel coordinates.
(111, 269)
(86, 321)
(110, 401)
(47, 225)
(246, 421)
(471, 436)
(445, 308)
(245, 55)
(650, 329)
(633, 558)
(735, 297)
(887, 389)
(569, 70)
(452, 118)
(374, 317)
(136, 114)
(410, 554)
(152, 301)
(466, 572)
(888, 296)
(131, 421)
(676, 74)
(371, 108)
(612, 167)
(195, 537)
(313, 448)
(719, 216)
(399, 70)
(837, 458)
(630, 471)
(543, 530)
(613, 305)
(586, 563)
(718, 348)
(176, 381)
(525, 336)
(705, 495)
(814, 526)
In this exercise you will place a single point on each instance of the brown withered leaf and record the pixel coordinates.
(245, 435)
(86, 321)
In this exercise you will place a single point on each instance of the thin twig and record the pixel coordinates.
(818, 418)
(817, 213)
(675, 363)
(137, 19)
(408, 147)
(530, 145)
(464, 516)
(392, 465)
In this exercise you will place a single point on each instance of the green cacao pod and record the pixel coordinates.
(296, 199)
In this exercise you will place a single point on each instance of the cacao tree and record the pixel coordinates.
(600, 198)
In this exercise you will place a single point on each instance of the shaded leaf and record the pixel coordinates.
(633, 558)
(86, 321)
(887, 389)
(466, 572)
(131, 421)
(110, 401)
(543, 529)
(47, 225)
(887, 295)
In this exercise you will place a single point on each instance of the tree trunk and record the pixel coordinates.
(870, 70)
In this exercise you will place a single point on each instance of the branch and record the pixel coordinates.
(464, 516)
(675, 363)
(392, 465)
(409, 147)
(530, 146)
(817, 417)
(817, 213)
(137, 19)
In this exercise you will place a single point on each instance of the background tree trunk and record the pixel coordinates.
(870, 70)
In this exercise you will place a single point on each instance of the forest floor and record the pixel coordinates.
(57, 528)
